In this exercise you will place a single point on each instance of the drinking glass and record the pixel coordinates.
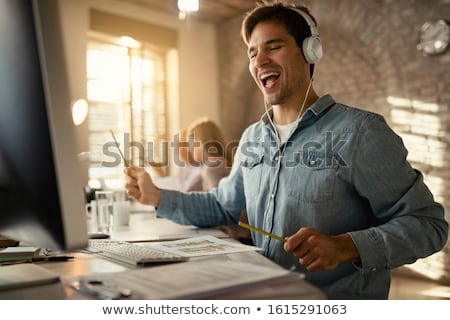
(104, 201)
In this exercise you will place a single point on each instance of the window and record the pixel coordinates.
(126, 93)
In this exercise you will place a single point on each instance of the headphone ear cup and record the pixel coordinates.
(312, 49)
(311, 46)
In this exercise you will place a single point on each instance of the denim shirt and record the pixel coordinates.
(343, 170)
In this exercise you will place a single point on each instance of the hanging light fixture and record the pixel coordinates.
(187, 6)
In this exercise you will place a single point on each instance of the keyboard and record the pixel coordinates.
(131, 253)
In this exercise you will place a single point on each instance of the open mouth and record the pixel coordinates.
(269, 79)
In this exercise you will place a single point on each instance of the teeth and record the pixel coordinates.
(264, 76)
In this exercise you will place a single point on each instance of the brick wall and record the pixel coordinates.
(371, 62)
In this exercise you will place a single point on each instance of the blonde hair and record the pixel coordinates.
(212, 138)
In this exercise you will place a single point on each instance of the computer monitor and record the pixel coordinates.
(41, 193)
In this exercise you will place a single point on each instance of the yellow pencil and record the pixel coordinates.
(247, 226)
(118, 148)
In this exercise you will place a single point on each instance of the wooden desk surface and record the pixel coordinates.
(85, 263)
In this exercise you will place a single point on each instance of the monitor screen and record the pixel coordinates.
(41, 193)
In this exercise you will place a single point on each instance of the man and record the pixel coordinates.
(332, 180)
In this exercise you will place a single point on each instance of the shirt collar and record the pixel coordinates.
(316, 108)
(321, 104)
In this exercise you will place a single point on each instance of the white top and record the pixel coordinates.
(284, 130)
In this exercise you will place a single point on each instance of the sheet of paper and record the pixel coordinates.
(186, 279)
(201, 246)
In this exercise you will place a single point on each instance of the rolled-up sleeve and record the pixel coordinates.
(220, 206)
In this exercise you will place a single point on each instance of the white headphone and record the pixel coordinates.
(311, 46)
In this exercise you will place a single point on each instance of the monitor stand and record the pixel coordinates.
(25, 275)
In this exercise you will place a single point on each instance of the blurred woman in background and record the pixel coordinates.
(210, 150)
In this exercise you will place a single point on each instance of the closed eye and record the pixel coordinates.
(253, 54)
(269, 46)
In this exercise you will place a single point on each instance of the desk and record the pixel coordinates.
(145, 226)
(88, 263)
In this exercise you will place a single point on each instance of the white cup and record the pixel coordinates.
(121, 213)
(121, 209)
(104, 200)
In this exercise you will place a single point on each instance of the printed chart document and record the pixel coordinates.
(201, 246)
(186, 280)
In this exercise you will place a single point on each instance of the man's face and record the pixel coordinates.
(276, 63)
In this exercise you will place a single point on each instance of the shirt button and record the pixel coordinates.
(276, 158)
(272, 195)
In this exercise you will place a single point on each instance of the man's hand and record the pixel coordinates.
(140, 186)
(317, 251)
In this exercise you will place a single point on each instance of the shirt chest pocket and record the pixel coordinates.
(252, 169)
(313, 179)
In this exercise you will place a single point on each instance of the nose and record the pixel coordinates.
(260, 59)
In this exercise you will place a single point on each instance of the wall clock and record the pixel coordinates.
(434, 37)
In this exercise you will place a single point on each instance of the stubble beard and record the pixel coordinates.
(275, 98)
